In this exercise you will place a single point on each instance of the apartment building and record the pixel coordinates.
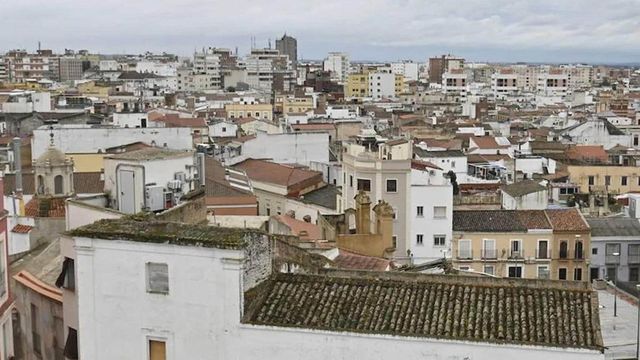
(69, 68)
(268, 70)
(22, 66)
(553, 82)
(615, 249)
(407, 68)
(527, 76)
(504, 82)
(338, 65)
(357, 85)
(438, 66)
(613, 179)
(248, 106)
(288, 45)
(455, 82)
(533, 244)
(384, 85)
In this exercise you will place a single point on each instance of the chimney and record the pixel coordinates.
(17, 164)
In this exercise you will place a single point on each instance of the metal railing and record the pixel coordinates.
(612, 259)
(489, 254)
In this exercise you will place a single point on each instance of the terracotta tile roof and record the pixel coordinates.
(22, 229)
(487, 221)
(533, 219)
(567, 220)
(484, 142)
(483, 158)
(443, 307)
(269, 172)
(302, 229)
(453, 144)
(175, 121)
(423, 165)
(45, 207)
(587, 152)
(352, 261)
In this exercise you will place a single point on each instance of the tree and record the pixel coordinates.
(454, 182)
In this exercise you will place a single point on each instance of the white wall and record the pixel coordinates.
(223, 129)
(428, 194)
(535, 201)
(298, 148)
(133, 120)
(84, 139)
(382, 85)
(79, 214)
(200, 317)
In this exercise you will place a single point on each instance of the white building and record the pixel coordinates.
(77, 139)
(504, 83)
(222, 128)
(525, 195)
(20, 101)
(288, 148)
(338, 64)
(382, 85)
(162, 291)
(596, 131)
(151, 179)
(407, 68)
(267, 69)
(447, 160)
(553, 83)
(431, 213)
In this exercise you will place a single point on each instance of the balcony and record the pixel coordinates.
(543, 253)
(465, 255)
(516, 254)
(633, 258)
(578, 254)
(612, 259)
(489, 254)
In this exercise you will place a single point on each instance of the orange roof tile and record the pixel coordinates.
(22, 229)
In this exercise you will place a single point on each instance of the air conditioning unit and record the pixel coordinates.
(155, 198)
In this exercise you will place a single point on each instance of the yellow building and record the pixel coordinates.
(357, 85)
(254, 110)
(91, 88)
(533, 244)
(287, 104)
(83, 163)
(399, 85)
(614, 179)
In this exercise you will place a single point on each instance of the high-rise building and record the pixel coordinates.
(440, 65)
(288, 45)
(268, 69)
(338, 64)
(70, 68)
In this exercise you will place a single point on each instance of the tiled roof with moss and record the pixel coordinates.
(145, 230)
(445, 307)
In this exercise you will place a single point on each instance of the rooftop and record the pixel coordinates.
(543, 313)
(273, 173)
(151, 153)
(522, 188)
(160, 232)
(614, 227)
(560, 220)
(325, 196)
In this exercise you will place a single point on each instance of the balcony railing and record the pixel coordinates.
(489, 254)
(465, 255)
(516, 254)
(542, 253)
(612, 259)
(634, 259)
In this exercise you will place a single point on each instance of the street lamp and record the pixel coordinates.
(615, 285)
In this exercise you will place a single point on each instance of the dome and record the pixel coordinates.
(51, 157)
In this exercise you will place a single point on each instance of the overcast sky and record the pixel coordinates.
(480, 30)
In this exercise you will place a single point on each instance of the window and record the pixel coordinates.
(464, 249)
(224, 129)
(592, 180)
(514, 271)
(157, 350)
(634, 271)
(157, 278)
(579, 253)
(364, 184)
(420, 211)
(562, 274)
(543, 272)
(394, 239)
(35, 334)
(563, 249)
(439, 240)
(350, 180)
(463, 268)
(58, 341)
(612, 254)
(594, 251)
(419, 239)
(633, 253)
(623, 181)
(489, 249)
(489, 269)
(392, 185)
(58, 184)
(516, 248)
(71, 345)
(577, 274)
(607, 180)
(67, 278)
(440, 212)
(543, 249)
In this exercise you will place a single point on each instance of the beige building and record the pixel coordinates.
(533, 244)
(287, 104)
(613, 179)
(372, 171)
(249, 109)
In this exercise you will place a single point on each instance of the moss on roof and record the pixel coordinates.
(141, 229)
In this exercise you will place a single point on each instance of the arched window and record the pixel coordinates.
(40, 188)
(58, 184)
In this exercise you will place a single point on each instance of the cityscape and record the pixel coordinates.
(234, 202)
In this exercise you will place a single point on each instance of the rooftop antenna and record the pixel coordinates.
(269, 41)
(39, 48)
